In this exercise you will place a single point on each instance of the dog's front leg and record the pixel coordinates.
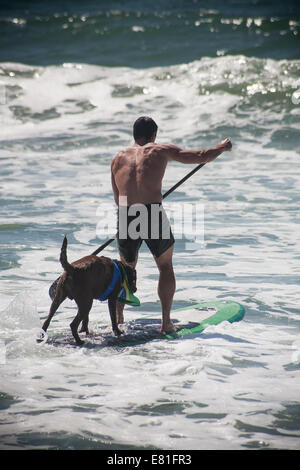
(85, 326)
(112, 305)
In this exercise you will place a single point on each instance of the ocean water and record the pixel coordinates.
(73, 78)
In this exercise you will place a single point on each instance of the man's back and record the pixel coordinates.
(137, 173)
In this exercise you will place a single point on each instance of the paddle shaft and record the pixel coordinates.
(179, 183)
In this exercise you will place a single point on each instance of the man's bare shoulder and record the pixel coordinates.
(167, 147)
(118, 158)
(120, 154)
(166, 150)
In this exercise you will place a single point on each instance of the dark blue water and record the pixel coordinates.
(144, 33)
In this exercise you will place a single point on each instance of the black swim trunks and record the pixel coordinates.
(143, 222)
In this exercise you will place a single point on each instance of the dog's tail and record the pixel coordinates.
(63, 257)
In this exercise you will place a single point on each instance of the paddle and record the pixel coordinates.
(52, 288)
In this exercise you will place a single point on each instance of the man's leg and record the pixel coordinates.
(166, 288)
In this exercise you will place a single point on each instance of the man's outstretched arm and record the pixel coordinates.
(195, 156)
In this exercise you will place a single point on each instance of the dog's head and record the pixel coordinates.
(131, 276)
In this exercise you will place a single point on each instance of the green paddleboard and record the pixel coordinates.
(192, 319)
(195, 318)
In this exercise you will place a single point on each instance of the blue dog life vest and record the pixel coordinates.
(110, 288)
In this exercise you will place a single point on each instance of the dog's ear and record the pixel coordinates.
(129, 270)
(131, 276)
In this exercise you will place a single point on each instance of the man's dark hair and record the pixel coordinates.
(144, 128)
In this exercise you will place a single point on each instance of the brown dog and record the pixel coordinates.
(87, 279)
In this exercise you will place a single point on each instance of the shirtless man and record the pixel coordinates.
(136, 175)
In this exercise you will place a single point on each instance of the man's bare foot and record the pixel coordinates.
(168, 329)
